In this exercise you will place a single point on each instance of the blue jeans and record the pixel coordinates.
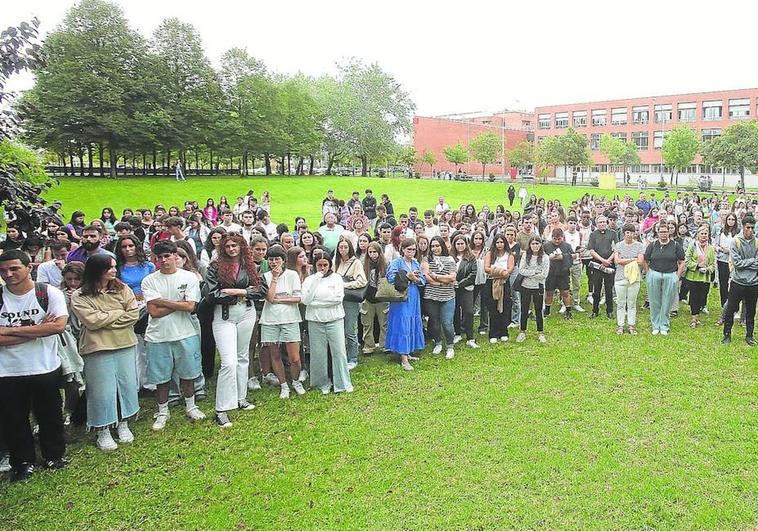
(661, 289)
(516, 299)
(441, 320)
(352, 311)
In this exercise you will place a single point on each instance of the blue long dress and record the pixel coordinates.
(405, 333)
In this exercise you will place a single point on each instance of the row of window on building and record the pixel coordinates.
(739, 109)
(642, 138)
(660, 169)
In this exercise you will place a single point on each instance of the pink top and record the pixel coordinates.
(211, 214)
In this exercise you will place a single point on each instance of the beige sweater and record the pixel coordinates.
(107, 320)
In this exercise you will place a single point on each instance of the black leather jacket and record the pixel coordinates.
(213, 287)
(466, 273)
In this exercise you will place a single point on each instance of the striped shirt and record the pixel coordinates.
(440, 265)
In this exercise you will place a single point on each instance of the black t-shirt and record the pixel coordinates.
(7, 245)
(664, 258)
(559, 267)
(602, 242)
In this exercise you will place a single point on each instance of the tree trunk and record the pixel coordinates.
(89, 159)
(197, 162)
(299, 167)
(289, 163)
(65, 168)
(101, 156)
(112, 161)
(211, 166)
(125, 167)
(364, 165)
(483, 166)
(267, 162)
(329, 163)
(310, 167)
(168, 161)
(155, 161)
(144, 163)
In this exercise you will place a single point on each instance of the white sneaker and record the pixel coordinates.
(471, 343)
(195, 414)
(450, 353)
(493, 340)
(437, 348)
(655, 332)
(5, 463)
(705, 311)
(298, 387)
(368, 350)
(125, 435)
(482, 332)
(457, 339)
(664, 332)
(285, 391)
(589, 298)
(578, 308)
(406, 366)
(271, 379)
(222, 420)
(160, 421)
(105, 440)
(303, 376)
(563, 309)
(521, 337)
(253, 384)
(351, 365)
(541, 338)
(602, 300)
(504, 339)
(513, 325)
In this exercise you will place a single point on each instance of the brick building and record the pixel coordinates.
(436, 133)
(644, 121)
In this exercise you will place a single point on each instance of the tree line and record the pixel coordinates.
(105, 95)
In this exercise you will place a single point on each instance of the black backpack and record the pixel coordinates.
(40, 291)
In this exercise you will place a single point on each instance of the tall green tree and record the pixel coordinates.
(485, 148)
(91, 87)
(20, 51)
(547, 152)
(680, 147)
(736, 148)
(456, 154)
(619, 153)
(522, 155)
(429, 158)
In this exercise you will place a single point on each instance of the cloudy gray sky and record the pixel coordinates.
(475, 55)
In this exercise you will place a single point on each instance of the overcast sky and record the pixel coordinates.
(459, 56)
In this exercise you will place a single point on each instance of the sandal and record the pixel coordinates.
(632, 330)
(693, 324)
(620, 331)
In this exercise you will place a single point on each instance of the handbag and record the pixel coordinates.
(354, 294)
(387, 292)
(140, 326)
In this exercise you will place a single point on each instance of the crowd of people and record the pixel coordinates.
(96, 313)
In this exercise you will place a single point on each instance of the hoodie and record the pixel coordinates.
(744, 258)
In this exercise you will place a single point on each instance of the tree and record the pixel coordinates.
(680, 147)
(736, 148)
(522, 155)
(18, 52)
(91, 89)
(548, 152)
(429, 158)
(456, 154)
(22, 178)
(485, 148)
(406, 156)
(572, 151)
(619, 153)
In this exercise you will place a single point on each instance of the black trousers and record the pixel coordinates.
(600, 280)
(207, 341)
(21, 395)
(463, 320)
(698, 295)
(737, 294)
(723, 271)
(499, 321)
(534, 297)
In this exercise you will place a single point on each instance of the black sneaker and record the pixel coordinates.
(568, 316)
(546, 311)
(22, 472)
(726, 340)
(675, 313)
(593, 315)
(646, 305)
(56, 464)
(750, 341)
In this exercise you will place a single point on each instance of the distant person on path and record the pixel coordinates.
(179, 171)
(522, 194)
(511, 195)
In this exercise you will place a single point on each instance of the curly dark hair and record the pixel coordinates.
(226, 264)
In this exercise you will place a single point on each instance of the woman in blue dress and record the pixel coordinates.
(405, 333)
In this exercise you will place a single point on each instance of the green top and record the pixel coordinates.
(692, 271)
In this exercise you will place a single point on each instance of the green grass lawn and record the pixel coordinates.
(290, 196)
(587, 430)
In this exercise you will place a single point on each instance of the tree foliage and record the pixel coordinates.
(566, 150)
(680, 147)
(456, 154)
(428, 157)
(736, 148)
(523, 154)
(486, 148)
(19, 51)
(619, 153)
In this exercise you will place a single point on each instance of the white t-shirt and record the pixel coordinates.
(49, 273)
(180, 286)
(270, 230)
(233, 227)
(288, 285)
(40, 355)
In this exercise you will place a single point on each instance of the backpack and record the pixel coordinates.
(40, 291)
